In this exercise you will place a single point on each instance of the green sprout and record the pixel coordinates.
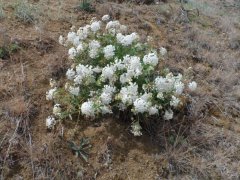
(6, 51)
(85, 5)
(82, 149)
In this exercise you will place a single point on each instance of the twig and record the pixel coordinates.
(4, 138)
(10, 145)
(30, 144)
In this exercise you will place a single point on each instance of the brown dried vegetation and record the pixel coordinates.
(201, 143)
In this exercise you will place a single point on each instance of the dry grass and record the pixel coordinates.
(209, 149)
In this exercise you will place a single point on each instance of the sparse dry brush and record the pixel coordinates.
(96, 71)
(25, 11)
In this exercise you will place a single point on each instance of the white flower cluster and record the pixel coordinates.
(109, 51)
(50, 122)
(112, 71)
(87, 109)
(136, 129)
(151, 59)
(93, 49)
(95, 26)
(127, 39)
(50, 93)
(169, 83)
(105, 18)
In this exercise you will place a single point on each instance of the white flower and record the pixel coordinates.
(146, 96)
(151, 59)
(174, 101)
(94, 44)
(127, 59)
(88, 109)
(80, 48)
(108, 72)
(168, 114)
(153, 110)
(125, 77)
(57, 110)
(163, 84)
(61, 40)
(78, 79)
(72, 53)
(119, 64)
(93, 48)
(140, 105)
(95, 26)
(106, 18)
(112, 31)
(93, 53)
(50, 122)
(83, 72)
(71, 36)
(74, 90)
(109, 51)
(163, 51)
(109, 89)
(192, 86)
(50, 93)
(129, 93)
(160, 96)
(128, 39)
(76, 41)
(179, 86)
(136, 129)
(134, 67)
(83, 32)
(112, 25)
(105, 110)
(97, 69)
(106, 98)
(70, 74)
(120, 37)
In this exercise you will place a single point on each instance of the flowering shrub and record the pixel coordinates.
(113, 71)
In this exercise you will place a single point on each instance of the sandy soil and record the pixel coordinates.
(204, 36)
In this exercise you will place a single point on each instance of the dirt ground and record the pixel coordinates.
(203, 35)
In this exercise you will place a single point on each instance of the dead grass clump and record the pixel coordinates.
(217, 148)
(25, 11)
(17, 106)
